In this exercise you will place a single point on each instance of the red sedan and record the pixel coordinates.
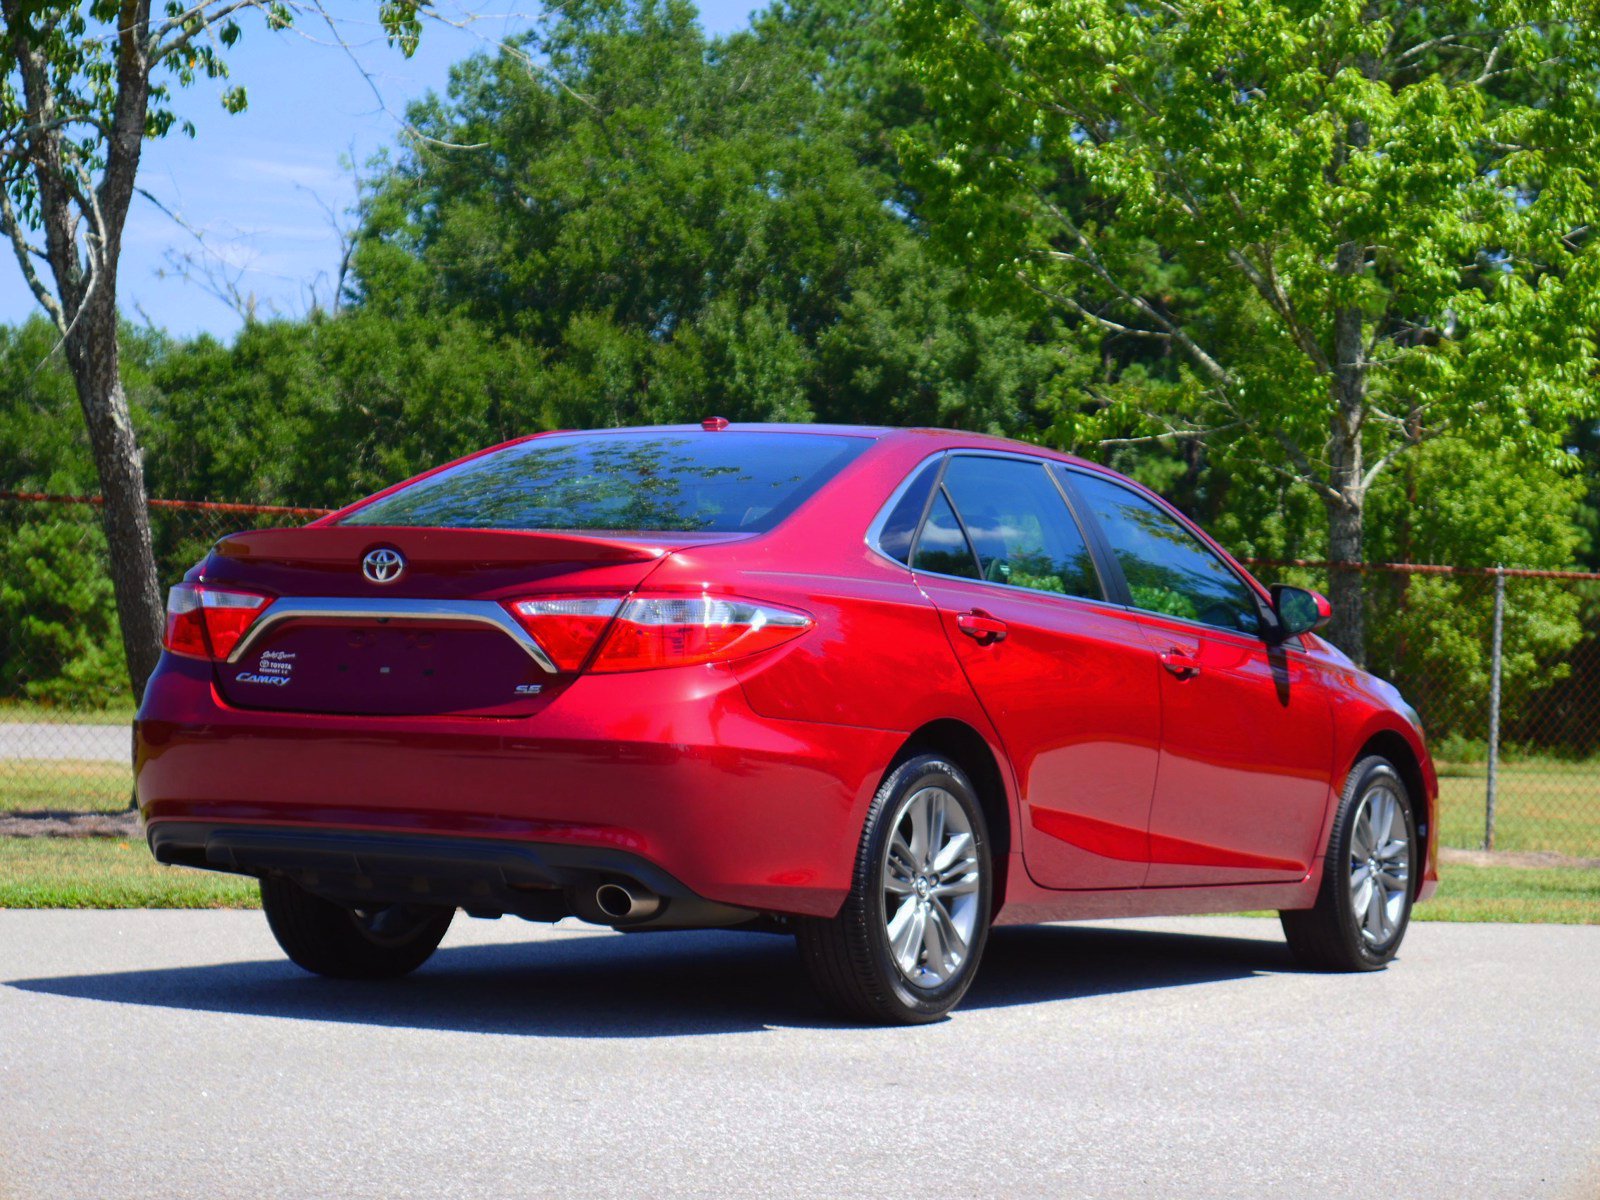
(880, 688)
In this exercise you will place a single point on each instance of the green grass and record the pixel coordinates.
(1525, 895)
(108, 873)
(113, 873)
(1541, 804)
(27, 784)
(1509, 895)
(18, 711)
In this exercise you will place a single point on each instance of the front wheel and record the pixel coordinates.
(1364, 904)
(325, 938)
(905, 946)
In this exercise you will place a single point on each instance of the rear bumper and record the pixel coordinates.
(543, 882)
(670, 771)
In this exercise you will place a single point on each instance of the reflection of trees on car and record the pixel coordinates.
(1159, 581)
(677, 483)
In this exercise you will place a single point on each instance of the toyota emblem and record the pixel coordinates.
(383, 565)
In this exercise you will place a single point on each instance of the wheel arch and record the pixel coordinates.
(1394, 747)
(970, 750)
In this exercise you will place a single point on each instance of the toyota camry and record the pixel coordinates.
(879, 689)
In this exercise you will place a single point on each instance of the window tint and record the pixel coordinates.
(1024, 534)
(898, 527)
(681, 482)
(941, 546)
(1168, 570)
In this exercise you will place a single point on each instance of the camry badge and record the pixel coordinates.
(383, 565)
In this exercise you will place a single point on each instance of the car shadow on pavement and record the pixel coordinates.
(664, 984)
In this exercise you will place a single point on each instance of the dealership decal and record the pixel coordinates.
(275, 668)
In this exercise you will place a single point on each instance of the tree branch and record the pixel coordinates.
(1093, 318)
(25, 254)
(1091, 260)
(177, 34)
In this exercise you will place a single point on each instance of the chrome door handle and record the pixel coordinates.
(981, 627)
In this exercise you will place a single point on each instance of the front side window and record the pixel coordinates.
(724, 482)
(1022, 530)
(1167, 568)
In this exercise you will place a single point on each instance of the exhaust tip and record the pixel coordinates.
(620, 902)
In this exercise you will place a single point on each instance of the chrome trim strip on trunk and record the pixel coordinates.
(477, 612)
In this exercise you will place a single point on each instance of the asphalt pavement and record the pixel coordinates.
(152, 1054)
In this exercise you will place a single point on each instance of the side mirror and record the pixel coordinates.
(1299, 610)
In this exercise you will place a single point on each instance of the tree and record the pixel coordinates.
(675, 226)
(82, 85)
(1310, 235)
(1483, 508)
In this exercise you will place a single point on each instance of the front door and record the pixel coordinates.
(1071, 684)
(1247, 728)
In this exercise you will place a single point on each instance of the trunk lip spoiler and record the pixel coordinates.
(477, 612)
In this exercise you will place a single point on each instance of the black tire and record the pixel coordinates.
(849, 957)
(1329, 936)
(346, 943)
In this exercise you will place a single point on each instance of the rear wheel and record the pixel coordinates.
(1364, 905)
(905, 946)
(325, 938)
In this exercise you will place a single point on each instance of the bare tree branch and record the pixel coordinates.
(25, 254)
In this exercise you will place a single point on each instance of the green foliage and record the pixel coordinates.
(1194, 171)
(1313, 236)
(78, 44)
(43, 446)
(683, 227)
(59, 639)
(623, 221)
(1456, 504)
(58, 626)
(317, 412)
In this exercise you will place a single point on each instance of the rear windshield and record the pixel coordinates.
(723, 482)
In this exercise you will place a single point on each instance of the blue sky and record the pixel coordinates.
(258, 188)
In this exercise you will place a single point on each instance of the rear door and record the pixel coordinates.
(1071, 685)
(1247, 728)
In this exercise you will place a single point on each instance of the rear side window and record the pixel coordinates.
(724, 482)
(900, 526)
(942, 547)
(1023, 531)
(1168, 569)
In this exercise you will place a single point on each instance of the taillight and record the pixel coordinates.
(654, 631)
(567, 627)
(207, 622)
(676, 631)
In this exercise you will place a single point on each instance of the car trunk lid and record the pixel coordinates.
(419, 629)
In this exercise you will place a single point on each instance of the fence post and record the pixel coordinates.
(1494, 707)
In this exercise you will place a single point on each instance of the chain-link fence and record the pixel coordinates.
(65, 707)
(1502, 665)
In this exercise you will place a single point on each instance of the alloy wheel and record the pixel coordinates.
(931, 882)
(1380, 865)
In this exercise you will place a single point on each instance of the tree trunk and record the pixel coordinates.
(1347, 505)
(1348, 629)
(93, 356)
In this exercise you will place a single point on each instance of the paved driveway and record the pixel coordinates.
(169, 1053)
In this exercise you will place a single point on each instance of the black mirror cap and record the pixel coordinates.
(1299, 610)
